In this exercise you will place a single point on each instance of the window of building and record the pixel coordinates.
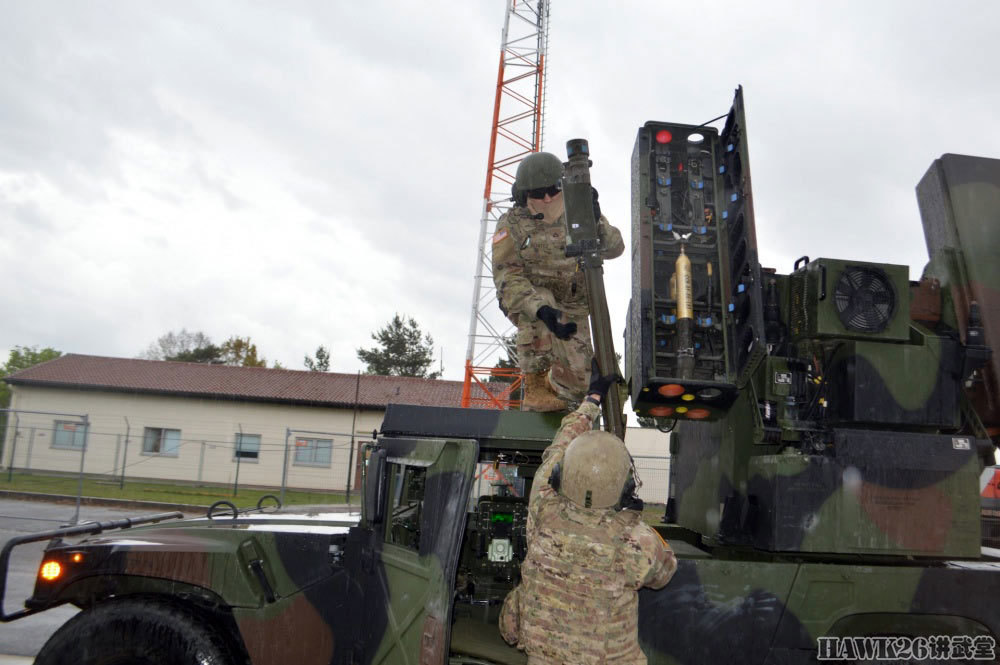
(406, 504)
(247, 446)
(68, 434)
(313, 452)
(161, 441)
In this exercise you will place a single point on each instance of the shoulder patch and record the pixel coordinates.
(500, 235)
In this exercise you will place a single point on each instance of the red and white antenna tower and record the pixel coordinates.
(518, 125)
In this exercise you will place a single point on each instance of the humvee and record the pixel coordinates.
(829, 428)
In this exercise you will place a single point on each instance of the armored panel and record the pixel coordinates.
(495, 431)
(880, 492)
(850, 299)
(897, 384)
(695, 326)
(959, 199)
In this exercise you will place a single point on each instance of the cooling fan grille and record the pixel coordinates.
(865, 299)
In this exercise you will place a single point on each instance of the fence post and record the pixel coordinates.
(13, 448)
(201, 462)
(118, 450)
(354, 425)
(239, 448)
(284, 466)
(31, 446)
(128, 430)
(83, 456)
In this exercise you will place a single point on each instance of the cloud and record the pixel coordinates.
(300, 172)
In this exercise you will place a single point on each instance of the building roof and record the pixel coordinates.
(255, 384)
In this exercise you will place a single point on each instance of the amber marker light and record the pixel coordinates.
(77, 558)
(688, 397)
(682, 409)
(671, 390)
(661, 411)
(51, 570)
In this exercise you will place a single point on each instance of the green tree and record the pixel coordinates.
(321, 363)
(403, 350)
(21, 357)
(208, 355)
(241, 352)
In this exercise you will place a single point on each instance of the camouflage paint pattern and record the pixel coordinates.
(726, 603)
(959, 199)
(771, 610)
(801, 513)
(855, 434)
(531, 269)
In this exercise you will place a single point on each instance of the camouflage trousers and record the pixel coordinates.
(566, 360)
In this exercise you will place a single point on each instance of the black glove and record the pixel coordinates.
(597, 206)
(550, 317)
(600, 384)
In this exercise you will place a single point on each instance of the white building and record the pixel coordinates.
(205, 423)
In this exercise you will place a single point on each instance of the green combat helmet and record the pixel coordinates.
(595, 471)
(537, 170)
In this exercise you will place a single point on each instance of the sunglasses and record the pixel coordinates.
(541, 192)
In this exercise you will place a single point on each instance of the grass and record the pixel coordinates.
(198, 495)
(652, 514)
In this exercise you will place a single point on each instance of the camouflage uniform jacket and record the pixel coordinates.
(531, 253)
(578, 600)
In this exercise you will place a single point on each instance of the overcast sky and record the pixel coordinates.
(297, 172)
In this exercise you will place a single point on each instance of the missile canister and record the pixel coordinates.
(685, 316)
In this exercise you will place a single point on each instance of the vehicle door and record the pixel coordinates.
(424, 504)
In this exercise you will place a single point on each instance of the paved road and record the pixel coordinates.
(26, 636)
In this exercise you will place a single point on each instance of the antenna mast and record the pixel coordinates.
(517, 131)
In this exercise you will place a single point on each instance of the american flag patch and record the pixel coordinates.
(499, 235)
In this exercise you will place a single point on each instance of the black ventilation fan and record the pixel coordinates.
(865, 299)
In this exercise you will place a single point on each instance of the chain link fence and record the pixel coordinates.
(654, 472)
(115, 451)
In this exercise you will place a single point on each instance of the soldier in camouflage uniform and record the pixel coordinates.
(541, 290)
(587, 558)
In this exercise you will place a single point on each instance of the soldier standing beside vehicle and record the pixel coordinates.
(588, 556)
(542, 291)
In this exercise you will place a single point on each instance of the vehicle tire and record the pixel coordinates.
(135, 632)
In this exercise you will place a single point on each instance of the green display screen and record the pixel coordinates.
(502, 517)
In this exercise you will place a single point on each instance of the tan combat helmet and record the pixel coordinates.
(536, 171)
(595, 471)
